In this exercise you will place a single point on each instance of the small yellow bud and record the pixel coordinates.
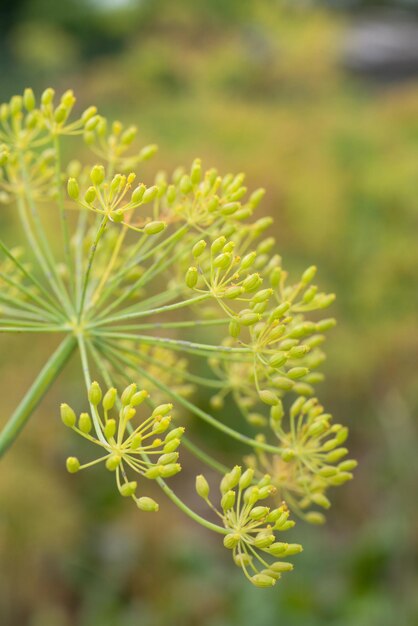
(154, 228)
(95, 393)
(202, 487)
(84, 423)
(68, 416)
(72, 464)
(147, 504)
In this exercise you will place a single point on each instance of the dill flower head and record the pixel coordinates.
(251, 526)
(176, 283)
(127, 449)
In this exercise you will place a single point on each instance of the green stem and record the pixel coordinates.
(93, 249)
(36, 392)
(63, 216)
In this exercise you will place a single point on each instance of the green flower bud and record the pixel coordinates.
(88, 113)
(113, 461)
(259, 512)
(147, 504)
(281, 566)
(246, 478)
(275, 277)
(268, 397)
(292, 549)
(256, 197)
(138, 194)
(68, 416)
(150, 194)
(325, 325)
(166, 471)
(139, 397)
(231, 479)
(263, 580)
(196, 172)
(264, 540)
(222, 261)
(29, 99)
(297, 372)
(228, 500)
(136, 441)
(85, 423)
(233, 292)
(91, 124)
(278, 359)
(176, 433)
(162, 409)
(73, 189)
(129, 135)
(47, 96)
(321, 500)
(110, 429)
(127, 394)
(231, 540)
(185, 184)
(154, 228)
(165, 459)
(202, 487)
(192, 276)
(148, 152)
(128, 489)
(308, 274)
(249, 319)
(90, 195)
(217, 245)
(252, 282)
(109, 399)
(95, 393)
(171, 445)
(230, 208)
(72, 464)
(347, 466)
(97, 175)
(199, 248)
(314, 517)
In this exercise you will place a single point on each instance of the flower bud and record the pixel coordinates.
(262, 580)
(139, 397)
(185, 184)
(68, 416)
(246, 478)
(147, 504)
(231, 540)
(196, 172)
(308, 274)
(109, 399)
(268, 397)
(252, 282)
(128, 489)
(73, 189)
(315, 517)
(127, 394)
(97, 175)
(192, 276)
(90, 195)
(147, 152)
(72, 464)
(29, 99)
(228, 500)
(202, 487)
(85, 423)
(217, 245)
(231, 479)
(95, 393)
(110, 429)
(166, 471)
(154, 228)
(138, 194)
(47, 96)
(112, 462)
(199, 248)
(150, 194)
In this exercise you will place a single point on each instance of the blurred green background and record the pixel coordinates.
(255, 86)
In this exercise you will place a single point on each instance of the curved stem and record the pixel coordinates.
(34, 395)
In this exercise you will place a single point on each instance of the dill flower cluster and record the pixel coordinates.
(174, 283)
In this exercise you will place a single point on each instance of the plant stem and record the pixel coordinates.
(36, 392)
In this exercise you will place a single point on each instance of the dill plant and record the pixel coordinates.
(144, 272)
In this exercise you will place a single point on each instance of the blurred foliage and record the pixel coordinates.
(253, 86)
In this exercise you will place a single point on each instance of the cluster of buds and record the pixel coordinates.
(200, 198)
(115, 198)
(24, 123)
(112, 144)
(312, 458)
(125, 447)
(251, 526)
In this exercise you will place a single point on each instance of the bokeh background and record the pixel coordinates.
(319, 104)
